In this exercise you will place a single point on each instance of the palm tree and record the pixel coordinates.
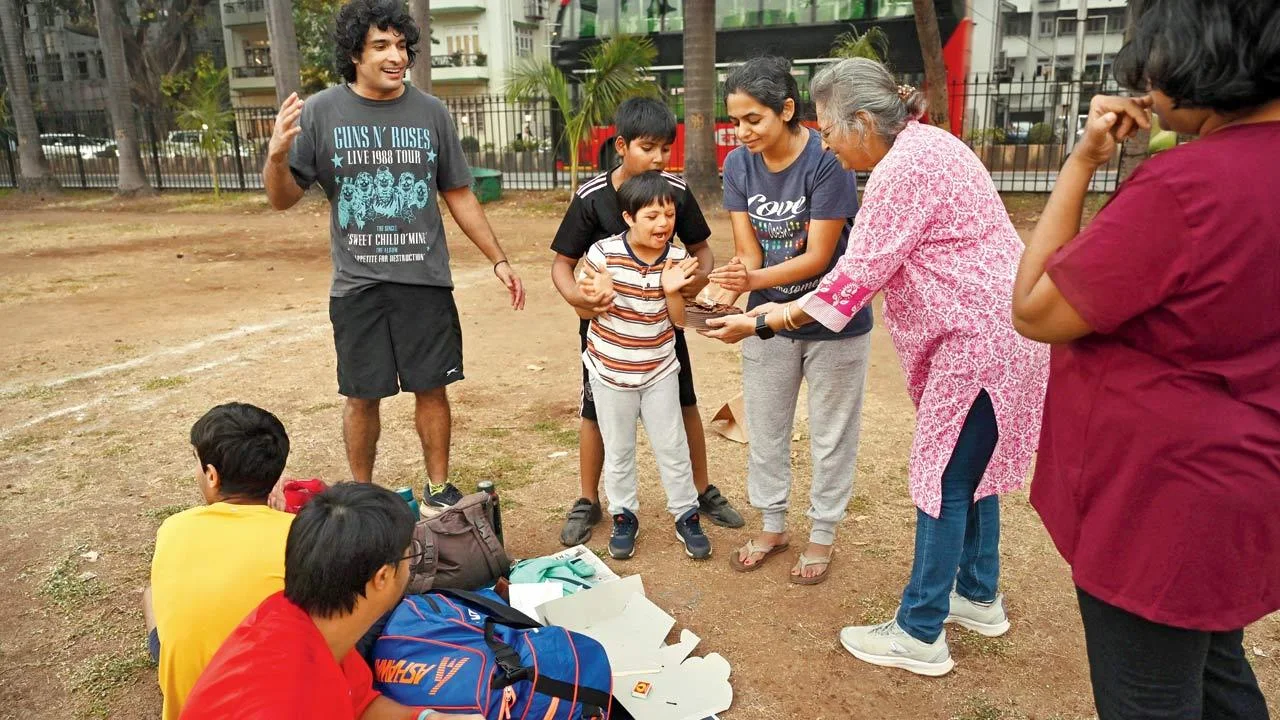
(872, 44)
(204, 110)
(700, 99)
(132, 178)
(615, 71)
(935, 68)
(34, 174)
(420, 11)
(286, 64)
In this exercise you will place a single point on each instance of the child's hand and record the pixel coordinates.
(675, 276)
(596, 288)
(732, 277)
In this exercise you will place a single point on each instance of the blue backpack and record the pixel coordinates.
(470, 652)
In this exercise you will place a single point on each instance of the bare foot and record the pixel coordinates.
(765, 540)
(814, 569)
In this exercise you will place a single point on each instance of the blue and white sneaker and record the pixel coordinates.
(689, 531)
(626, 530)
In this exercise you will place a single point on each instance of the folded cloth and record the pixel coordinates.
(299, 492)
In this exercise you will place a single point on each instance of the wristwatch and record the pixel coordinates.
(763, 331)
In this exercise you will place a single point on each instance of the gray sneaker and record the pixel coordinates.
(987, 619)
(888, 645)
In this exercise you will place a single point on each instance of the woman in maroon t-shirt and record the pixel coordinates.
(1158, 475)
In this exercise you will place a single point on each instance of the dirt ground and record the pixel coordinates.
(122, 323)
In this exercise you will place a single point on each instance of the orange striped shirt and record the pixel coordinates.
(633, 345)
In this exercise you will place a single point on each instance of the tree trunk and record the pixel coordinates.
(699, 101)
(133, 179)
(935, 68)
(420, 11)
(285, 63)
(34, 174)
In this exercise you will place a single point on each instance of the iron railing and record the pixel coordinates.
(1020, 129)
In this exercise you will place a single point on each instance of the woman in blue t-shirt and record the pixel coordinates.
(792, 206)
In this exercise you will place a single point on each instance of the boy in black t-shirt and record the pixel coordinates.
(646, 131)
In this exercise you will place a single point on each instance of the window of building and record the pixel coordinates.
(1044, 67)
(102, 64)
(524, 42)
(464, 39)
(53, 64)
(257, 53)
(1048, 26)
(33, 70)
(1017, 25)
(82, 66)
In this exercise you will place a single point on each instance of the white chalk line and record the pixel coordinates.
(193, 370)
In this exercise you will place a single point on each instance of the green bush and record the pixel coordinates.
(470, 144)
(987, 136)
(1041, 134)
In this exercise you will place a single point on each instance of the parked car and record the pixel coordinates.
(1017, 132)
(69, 144)
(186, 143)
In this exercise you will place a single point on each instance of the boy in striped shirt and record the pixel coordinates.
(631, 359)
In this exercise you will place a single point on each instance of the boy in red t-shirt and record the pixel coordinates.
(294, 655)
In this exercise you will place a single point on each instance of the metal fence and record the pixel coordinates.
(1021, 130)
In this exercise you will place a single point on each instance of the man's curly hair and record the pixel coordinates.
(353, 23)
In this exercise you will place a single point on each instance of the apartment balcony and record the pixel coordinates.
(252, 77)
(459, 67)
(456, 7)
(243, 12)
(535, 9)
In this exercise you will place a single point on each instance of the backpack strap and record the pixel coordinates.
(499, 611)
(508, 661)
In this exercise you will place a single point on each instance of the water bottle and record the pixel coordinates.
(487, 487)
(407, 494)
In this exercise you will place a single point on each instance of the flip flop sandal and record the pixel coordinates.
(806, 561)
(752, 548)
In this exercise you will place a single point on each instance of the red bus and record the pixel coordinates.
(800, 29)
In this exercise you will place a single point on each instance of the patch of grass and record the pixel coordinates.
(162, 513)
(105, 673)
(63, 586)
(506, 472)
(165, 383)
(877, 608)
(318, 407)
(494, 433)
(117, 450)
(860, 504)
(980, 707)
(974, 644)
(555, 432)
(123, 348)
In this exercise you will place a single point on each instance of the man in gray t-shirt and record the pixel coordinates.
(382, 151)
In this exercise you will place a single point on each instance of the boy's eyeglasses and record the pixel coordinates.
(413, 557)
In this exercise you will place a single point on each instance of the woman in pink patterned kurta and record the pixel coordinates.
(933, 236)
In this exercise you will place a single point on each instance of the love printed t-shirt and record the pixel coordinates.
(382, 164)
(781, 206)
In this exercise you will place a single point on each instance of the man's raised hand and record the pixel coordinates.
(286, 129)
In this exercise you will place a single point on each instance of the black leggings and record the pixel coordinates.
(1147, 671)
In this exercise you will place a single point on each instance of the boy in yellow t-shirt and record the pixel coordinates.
(216, 563)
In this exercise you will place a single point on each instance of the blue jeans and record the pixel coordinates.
(961, 548)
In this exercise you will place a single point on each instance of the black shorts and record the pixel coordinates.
(392, 337)
(688, 398)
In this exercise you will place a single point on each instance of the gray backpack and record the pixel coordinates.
(458, 548)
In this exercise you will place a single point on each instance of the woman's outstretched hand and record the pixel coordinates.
(731, 328)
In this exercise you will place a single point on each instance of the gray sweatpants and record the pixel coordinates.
(658, 407)
(836, 371)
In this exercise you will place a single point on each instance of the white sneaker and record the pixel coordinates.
(888, 645)
(989, 620)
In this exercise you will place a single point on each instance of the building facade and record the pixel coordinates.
(479, 42)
